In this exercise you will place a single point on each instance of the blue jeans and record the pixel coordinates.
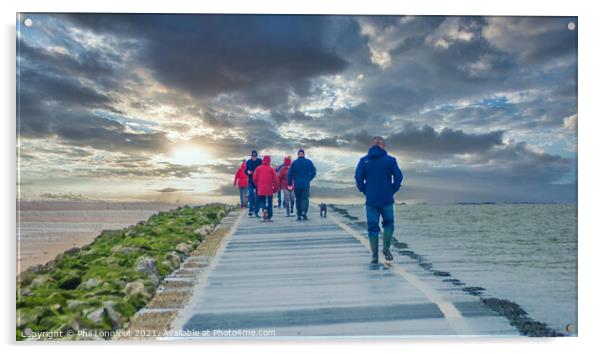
(279, 199)
(243, 196)
(252, 199)
(288, 200)
(373, 215)
(261, 203)
(302, 196)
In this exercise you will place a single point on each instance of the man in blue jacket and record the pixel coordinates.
(301, 172)
(378, 177)
(252, 164)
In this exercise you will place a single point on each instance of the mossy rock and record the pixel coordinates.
(61, 294)
(70, 282)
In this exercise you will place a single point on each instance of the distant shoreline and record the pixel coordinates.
(90, 205)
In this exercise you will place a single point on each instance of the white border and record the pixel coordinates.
(590, 177)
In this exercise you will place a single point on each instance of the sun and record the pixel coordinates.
(188, 155)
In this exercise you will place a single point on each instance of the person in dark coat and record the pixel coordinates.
(378, 177)
(301, 172)
(252, 164)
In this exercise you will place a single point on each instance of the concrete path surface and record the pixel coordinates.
(288, 279)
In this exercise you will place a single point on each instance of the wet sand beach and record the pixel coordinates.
(47, 228)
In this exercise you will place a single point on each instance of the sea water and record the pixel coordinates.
(525, 253)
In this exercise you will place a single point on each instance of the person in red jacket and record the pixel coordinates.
(288, 196)
(241, 180)
(266, 181)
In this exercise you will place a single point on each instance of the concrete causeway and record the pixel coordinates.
(313, 278)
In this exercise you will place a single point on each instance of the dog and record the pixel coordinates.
(323, 210)
(265, 216)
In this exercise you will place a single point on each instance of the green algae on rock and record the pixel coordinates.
(100, 286)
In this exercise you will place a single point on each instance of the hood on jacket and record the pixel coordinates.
(287, 161)
(266, 161)
(376, 151)
(243, 165)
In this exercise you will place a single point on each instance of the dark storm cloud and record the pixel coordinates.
(422, 141)
(38, 86)
(423, 73)
(518, 163)
(533, 39)
(79, 127)
(73, 62)
(264, 58)
(54, 104)
(45, 60)
(447, 141)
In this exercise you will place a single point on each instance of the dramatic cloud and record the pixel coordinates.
(123, 105)
(205, 55)
(532, 38)
(427, 141)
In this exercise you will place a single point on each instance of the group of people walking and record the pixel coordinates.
(258, 181)
(377, 176)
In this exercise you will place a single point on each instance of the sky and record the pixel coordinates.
(135, 107)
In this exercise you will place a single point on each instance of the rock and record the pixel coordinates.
(204, 230)
(70, 282)
(184, 248)
(474, 290)
(35, 268)
(74, 303)
(124, 250)
(24, 317)
(173, 259)
(114, 316)
(168, 265)
(146, 265)
(136, 288)
(40, 280)
(25, 278)
(25, 291)
(91, 283)
(96, 316)
(154, 279)
(72, 250)
(74, 325)
(426, 265)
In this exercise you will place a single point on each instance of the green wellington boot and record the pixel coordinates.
(387, 237)
(374, 248)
